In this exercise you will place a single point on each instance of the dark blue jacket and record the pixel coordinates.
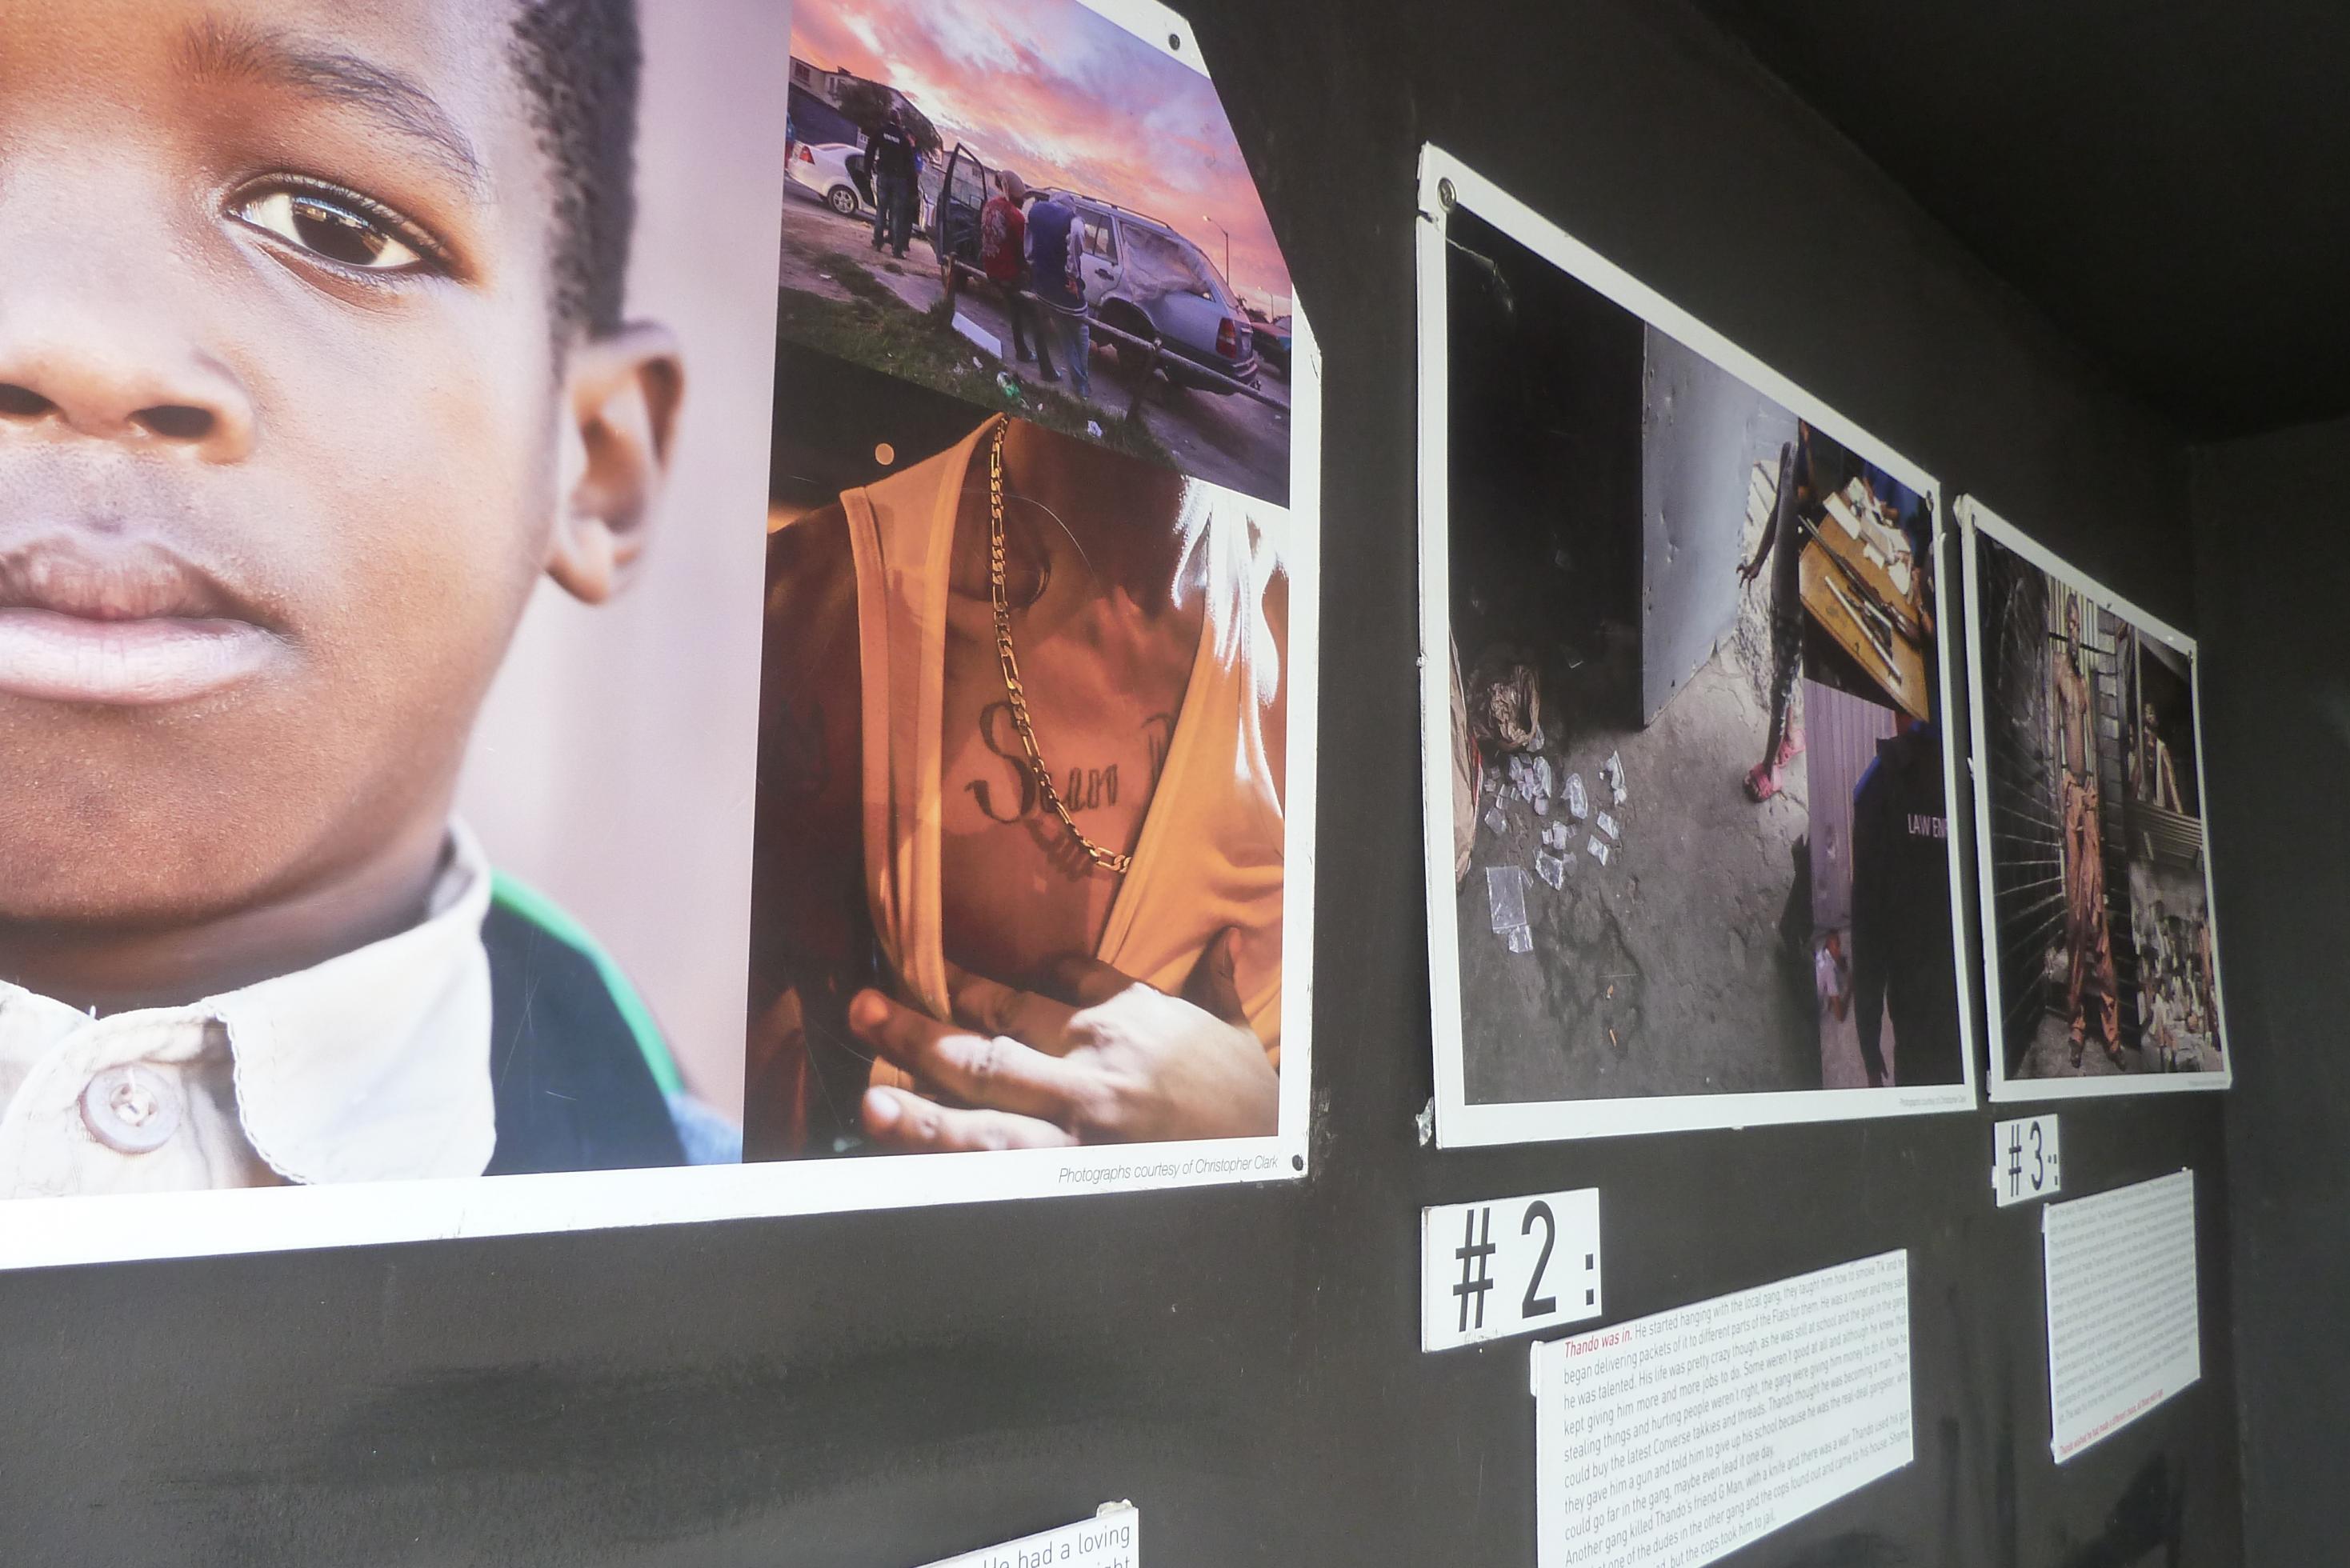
(579, 1072)
(1054, 242)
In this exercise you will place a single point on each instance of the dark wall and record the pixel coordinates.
(1544, 455)
(884, 1388)
(2270, 587)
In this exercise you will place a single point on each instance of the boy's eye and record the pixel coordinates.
(338, 229)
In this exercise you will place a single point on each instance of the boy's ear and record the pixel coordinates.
(621, 396)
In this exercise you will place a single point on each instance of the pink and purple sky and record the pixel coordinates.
(1065, 98)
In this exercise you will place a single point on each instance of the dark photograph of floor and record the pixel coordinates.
(1655, 895)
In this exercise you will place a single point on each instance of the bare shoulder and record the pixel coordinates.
(811, 602)
(810, 931)
(808, 860)
(1275, 718)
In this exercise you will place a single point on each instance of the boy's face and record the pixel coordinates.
(283, 443)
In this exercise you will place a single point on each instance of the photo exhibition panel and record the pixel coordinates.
(2104, 964)
(829, 744)
(1032, 887)
(379, 616)
(1685, 668)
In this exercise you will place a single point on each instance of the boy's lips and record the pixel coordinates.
(129, 624)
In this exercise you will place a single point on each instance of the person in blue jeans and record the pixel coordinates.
(1055, 244)
(891, 158)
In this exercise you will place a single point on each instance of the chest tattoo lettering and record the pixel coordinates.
(1016, 798)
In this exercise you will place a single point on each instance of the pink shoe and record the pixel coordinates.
(1790, 747)
(1762, 780)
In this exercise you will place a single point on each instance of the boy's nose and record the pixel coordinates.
(66, 370)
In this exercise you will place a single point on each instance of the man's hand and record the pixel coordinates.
(1092, 1057)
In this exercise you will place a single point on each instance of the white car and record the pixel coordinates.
(835, 171)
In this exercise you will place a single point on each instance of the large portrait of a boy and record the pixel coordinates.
(383, 408)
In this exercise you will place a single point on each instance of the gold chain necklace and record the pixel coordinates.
(1108, 860)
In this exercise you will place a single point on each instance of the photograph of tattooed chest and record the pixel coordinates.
(1019, 859)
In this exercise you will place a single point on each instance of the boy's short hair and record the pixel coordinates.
(581, 62)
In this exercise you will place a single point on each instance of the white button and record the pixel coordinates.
(131, 1109)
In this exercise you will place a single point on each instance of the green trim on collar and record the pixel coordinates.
(521, 899)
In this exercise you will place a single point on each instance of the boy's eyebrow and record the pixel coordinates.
(222, 49)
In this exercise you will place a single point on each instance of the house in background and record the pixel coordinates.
(850, 93)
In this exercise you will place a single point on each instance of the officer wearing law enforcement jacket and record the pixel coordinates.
(1903, 961)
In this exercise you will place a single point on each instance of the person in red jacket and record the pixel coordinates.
(1002, 236)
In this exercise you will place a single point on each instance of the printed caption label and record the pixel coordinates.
(1110, 1538)
(2024, 1160)
(1675, 1439)
(2124, 1332)
(1511, 1265)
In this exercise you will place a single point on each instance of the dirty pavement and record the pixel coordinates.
(1632, 924)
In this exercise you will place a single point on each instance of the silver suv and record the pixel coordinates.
(1140, 276)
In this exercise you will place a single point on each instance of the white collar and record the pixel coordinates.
(373, 1065)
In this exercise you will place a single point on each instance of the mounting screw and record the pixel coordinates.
(1174, 41)
(1445, 195)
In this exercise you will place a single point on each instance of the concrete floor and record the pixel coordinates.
(2049, 1055)
(1682, 966)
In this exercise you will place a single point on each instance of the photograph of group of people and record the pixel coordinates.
(1689, 857)
(501, 682)
(2097, 896)
(1032, 207)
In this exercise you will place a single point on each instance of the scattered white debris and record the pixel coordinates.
(1577, 801)
(1598, 850)
(1551, 870)
(1613, 768)
(1506, 895)
(1608, 825)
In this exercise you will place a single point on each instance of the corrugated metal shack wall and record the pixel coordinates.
(2107, 665)
(2027, 849)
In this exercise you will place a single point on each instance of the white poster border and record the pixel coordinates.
(1977, 521)
(1459, 1123)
